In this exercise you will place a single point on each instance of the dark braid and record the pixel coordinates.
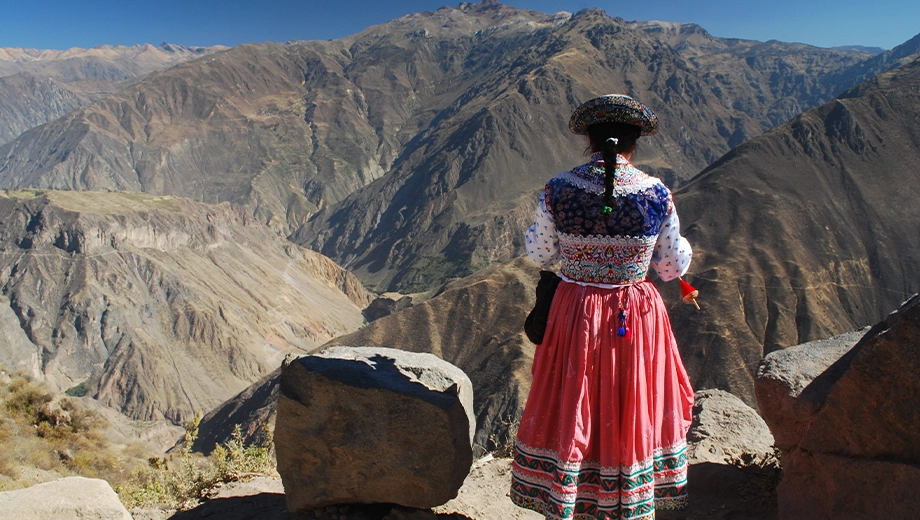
(612, 139)
(611, 149)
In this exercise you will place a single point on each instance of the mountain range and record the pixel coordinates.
(411, 154)
(423, 138)
(807, 231)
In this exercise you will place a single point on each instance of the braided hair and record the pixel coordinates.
(612, 139)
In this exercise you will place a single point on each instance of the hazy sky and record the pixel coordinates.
(60, 24)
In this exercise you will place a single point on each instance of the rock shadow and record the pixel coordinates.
(722, 491)
(271, 506)
(262, 506)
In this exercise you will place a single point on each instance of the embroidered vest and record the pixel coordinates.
(612, 248)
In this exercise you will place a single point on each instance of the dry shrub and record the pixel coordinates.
(23, 398)
(185, 479)
(503, 445)
(45, 432)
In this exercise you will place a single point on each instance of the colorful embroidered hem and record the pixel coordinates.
(588, 491)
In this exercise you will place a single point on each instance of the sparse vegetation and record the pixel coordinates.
(45, 435)
(184, 479)
(23, 194)
(502, 446)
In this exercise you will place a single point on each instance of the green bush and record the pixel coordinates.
(77, 391)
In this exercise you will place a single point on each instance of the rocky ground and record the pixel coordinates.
(717, 491)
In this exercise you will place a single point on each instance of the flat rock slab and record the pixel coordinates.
(365, 425)
(64, 499)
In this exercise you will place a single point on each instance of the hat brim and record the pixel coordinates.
(613, 108)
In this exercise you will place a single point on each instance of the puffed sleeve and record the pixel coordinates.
(542, 240)
(671, 257)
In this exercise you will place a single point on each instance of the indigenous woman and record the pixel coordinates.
(603, 435)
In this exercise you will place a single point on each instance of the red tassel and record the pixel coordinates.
(689, 293)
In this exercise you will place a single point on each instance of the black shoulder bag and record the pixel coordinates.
(535, 324)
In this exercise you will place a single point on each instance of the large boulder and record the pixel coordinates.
(64, 499)
(373, 425)
(850, 433)
(783, 377)
(727, 431)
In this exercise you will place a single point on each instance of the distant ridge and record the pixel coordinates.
(38, 86)
(860, 48)
(104, 62)
(882, 62)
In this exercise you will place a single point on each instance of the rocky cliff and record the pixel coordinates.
(158, 306)
(844, 414)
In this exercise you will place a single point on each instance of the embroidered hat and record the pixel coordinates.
(613, 108)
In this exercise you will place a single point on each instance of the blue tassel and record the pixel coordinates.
(623, 332)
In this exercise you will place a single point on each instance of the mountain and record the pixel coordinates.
(805, 232)
(158, 306)
(475, 323)
(38, 86)
(104, 64)
(770, 81)
(27, 101)
(462, 197)
(878, 64)
(411, 151)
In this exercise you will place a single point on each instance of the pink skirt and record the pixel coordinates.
(603, 435)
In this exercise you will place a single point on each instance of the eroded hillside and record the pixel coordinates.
(159, 306)
(38, 86)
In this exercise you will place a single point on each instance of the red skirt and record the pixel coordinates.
(603, 435)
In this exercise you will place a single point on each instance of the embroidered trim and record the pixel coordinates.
(600, 240)
(600, 285)
(615, 260)
(626, 188)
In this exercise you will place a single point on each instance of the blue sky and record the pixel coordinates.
(60, 24)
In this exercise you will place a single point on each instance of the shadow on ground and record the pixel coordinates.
(722, 492)
(271, 506)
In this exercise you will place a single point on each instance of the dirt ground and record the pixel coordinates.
(717, 492)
